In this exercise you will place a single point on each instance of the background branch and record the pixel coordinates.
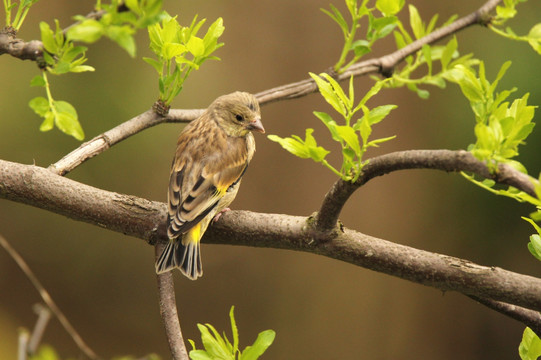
(48, 300)
(146, 219)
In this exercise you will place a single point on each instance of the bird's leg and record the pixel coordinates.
(219, 215)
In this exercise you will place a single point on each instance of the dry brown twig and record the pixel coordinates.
(48, 300)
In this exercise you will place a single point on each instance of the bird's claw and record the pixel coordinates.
(219, 215)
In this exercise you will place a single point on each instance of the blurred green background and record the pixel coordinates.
(320, 308)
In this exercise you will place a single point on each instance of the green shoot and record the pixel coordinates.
(219, 347)
(353, 136)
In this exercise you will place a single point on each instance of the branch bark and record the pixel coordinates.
(145, 219)
(446, 160)
(168, 311)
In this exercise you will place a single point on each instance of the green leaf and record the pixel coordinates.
(234, 329)
(379, 113)
(196, 46)
(361, 47)
(416, 23)
(212, 345)
(37, 81)
(294, 146)
(88, 31)
(449, 52)
(428, 57)
(200, 355)
(376, 142)
(261, 344)
(530, 346)
(534, 246)
(67, 120)
(47, 38)
(171, 50)
(215, 30)
(328, 93)
(389, 7)
(122, 35)
(81, 68)
(48, 122)
(330, 123)
(350, 137)
(501, 73)
(534, 38)
(155, 64)
(337, 16)
(381, 27)
(45, 352)
(40, 105)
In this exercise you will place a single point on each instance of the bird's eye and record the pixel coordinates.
(239, 117)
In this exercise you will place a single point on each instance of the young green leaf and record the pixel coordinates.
(261, 344)
(530, 346)
(389, 7)
(40, 105)
(89, 31)
(416, 23)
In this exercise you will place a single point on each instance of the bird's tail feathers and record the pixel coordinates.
(183, 254)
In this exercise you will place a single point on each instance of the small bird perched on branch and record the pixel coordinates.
(212, 155)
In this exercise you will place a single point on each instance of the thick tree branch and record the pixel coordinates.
(383, 65)
(146, 219)
(168, 311)
(18, 48)
(446, 160)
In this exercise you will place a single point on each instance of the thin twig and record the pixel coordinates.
(47, 299)
(382, 65)
(44, 315)
(528, 317)
(22, 346)
(168, 311)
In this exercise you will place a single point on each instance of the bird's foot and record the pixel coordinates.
(219, 215)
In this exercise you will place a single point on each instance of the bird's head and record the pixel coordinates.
(238, 113)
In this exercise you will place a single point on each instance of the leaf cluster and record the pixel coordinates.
(378, 27)
(219, 347)
(353, 136)
(117, 23)
(500, 126)
(23, 6)
(179, 51)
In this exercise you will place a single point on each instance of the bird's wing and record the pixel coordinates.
(197, 185)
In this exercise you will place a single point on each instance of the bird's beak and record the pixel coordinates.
(256, 125)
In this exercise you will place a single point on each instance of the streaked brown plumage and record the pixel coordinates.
(212, 154)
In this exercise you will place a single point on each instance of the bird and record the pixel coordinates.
(212, 155)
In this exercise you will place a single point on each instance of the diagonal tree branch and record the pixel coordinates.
(111, 137)
(145, 219)
(446, 160)
(383, 65)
